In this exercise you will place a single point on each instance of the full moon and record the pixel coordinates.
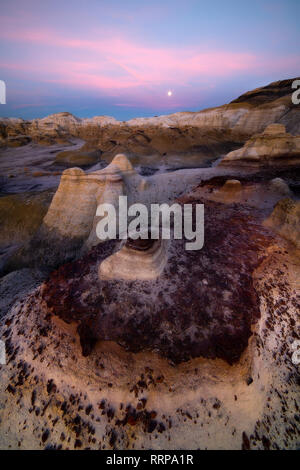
(169, 93)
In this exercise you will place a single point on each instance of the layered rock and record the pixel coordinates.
(148, 345)
(138, 259)
(69, 227)
(74, 205)
(199, 356)
(273, 147)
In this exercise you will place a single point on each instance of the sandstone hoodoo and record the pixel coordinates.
(70, 224)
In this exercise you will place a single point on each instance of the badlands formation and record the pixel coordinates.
(196, 136)
(141, 344)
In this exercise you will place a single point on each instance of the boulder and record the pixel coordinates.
(229, 193)
(285, 220)
(278, 185)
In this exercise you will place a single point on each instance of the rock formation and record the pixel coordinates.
(285, 220)
(279, 186)
(71, 220)
(273, 147)
(69, 227)
(230, 192)
(221, 309)
(137, 259)
(257, 189)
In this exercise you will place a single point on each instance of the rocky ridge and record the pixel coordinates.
(208, 133)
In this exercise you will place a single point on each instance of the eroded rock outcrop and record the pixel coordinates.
(70, 223)
(255, 189)
(274, 147)
(197, 355)
(137, 259)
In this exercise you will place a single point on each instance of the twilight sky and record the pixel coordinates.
(121, 57)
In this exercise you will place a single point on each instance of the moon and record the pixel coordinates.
(170, 93)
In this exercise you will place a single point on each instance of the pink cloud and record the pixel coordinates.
(114, 64)
(143, 63)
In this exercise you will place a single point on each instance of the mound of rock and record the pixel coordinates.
(274, 147)
(230, 192)
(202, 303)
(285, 220)
(279, 186)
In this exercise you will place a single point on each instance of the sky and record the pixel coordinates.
(122, 57)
